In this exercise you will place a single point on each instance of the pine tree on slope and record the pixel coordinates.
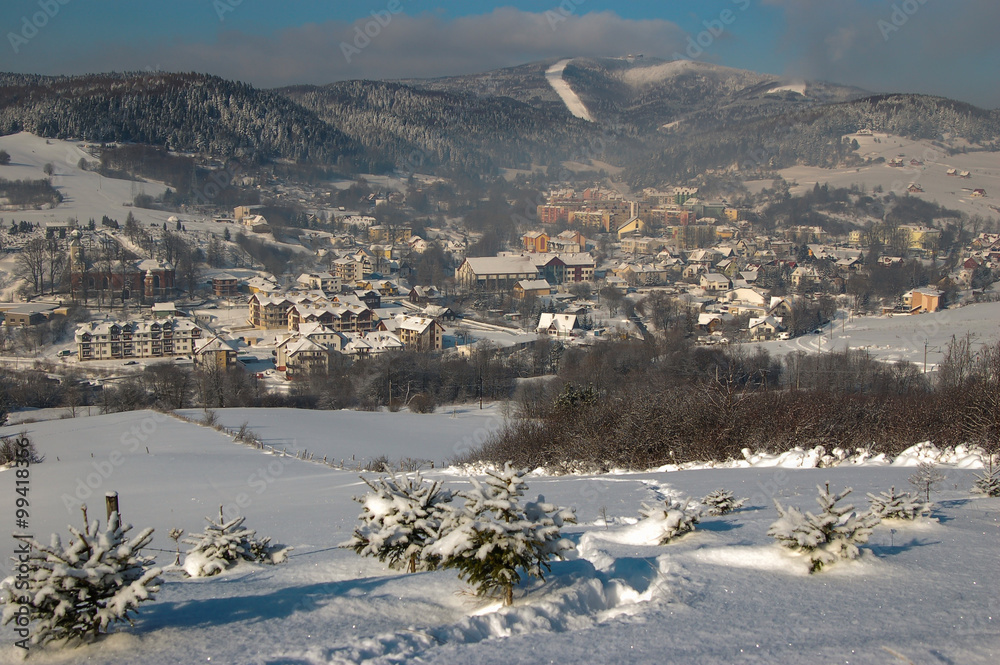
(494, 538)
(988, 482)
(224, 543)
(902, 506)
(674, 519)
(400, 518)
(78, 590)
(834, 533)
(721, 501)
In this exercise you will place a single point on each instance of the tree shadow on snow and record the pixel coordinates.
(883, 551)
(719, 526)
(279, 604)
(936, 511)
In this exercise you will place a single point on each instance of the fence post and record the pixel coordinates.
(111, 503)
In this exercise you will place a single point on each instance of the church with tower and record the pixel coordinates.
(145, 280)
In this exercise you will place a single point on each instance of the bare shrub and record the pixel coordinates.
(422, 403)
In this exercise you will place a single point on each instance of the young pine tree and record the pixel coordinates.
(988, 482)
(721, 501)
(903, 506)
(400, 518)
(223, 544)
(78, 590)
(674, 519)
(833, 533)
(494, 538)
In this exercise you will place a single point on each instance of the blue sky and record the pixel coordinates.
(930, 46)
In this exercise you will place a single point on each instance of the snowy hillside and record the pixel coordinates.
(921, 592)
(86, 194)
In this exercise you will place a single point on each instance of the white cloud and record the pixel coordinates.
(403, 47)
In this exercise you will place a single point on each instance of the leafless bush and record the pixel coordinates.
(210, 419)
(11, 445)
(246, 435)
(422, 403)
(378, 464)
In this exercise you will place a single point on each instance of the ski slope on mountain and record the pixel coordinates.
(573, 102)
(921, 592)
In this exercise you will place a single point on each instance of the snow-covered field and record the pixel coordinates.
(895, 338)
(86, 194)
(952, 192)
(921, 593)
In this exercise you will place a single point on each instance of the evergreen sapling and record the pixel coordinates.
(674, 519)
(834, 533)
(494, 539)
(79, 590)
(926, 478)
(223, 544)
(720, 502)
(988, 482)
(890, 505)
(400, 518)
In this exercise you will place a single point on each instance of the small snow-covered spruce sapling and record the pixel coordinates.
(494, 538)
(988, 482)
(720, 502)
(76, 591)
(674, 518)
(926, 478)
(892, 506)
(400, 518)
(223, 544)
(833, 533)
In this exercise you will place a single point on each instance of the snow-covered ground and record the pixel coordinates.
(347, 436)
(573, 102)
(950, 191)
(894, 338)
(921, 593)
(86, 194)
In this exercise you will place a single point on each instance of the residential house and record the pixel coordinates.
(558, 325)
(225, 285)
(417, 333)
(532, 287)
(714, 282)
(215, 352)
(137, 339)
(382, 233)
(304, 357)
(326, 282)
(535, 241)
(261, 285)
(804, 276)
(420, 295)
(923, 300)
(569, 241)
(765, 328)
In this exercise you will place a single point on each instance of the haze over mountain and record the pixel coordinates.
(659, 120)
